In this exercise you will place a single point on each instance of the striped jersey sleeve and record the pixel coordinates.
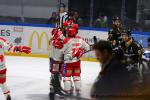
(7, 46)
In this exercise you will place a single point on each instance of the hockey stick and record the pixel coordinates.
(66, 97)
(70, 97)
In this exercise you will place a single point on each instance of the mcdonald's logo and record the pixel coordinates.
(39, 39)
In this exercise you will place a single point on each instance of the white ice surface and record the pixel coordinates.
(28, 78)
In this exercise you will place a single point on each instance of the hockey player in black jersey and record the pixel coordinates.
(114, 34)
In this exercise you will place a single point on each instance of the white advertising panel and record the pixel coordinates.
(14, 34)
(38, 37)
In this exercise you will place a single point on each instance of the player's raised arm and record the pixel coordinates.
(12, 48)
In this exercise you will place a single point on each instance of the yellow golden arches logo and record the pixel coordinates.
(40, 38)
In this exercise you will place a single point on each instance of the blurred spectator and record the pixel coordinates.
(101, 22)
(53, 18)
(77, 18)
(113, 79)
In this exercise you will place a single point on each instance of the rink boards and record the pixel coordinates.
(37, 37)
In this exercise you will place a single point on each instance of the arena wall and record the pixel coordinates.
(37, 37)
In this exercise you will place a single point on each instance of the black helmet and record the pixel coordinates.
(62, 5)
(116, 18)
(126, 32)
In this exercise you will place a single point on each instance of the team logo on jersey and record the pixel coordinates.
(40, 37)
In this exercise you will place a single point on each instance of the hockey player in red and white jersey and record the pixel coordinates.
(74, 48)
(69, 24)
(56, 58)
(6, 46)
(56, 63)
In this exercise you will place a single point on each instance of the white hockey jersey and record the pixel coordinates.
(55, 54)
(74, 48)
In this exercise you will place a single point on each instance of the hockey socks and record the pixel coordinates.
(5, 90)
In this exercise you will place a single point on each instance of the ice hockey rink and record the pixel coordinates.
(28, 78)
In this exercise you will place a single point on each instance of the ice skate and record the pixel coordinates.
(52, 96)
(8, 97)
